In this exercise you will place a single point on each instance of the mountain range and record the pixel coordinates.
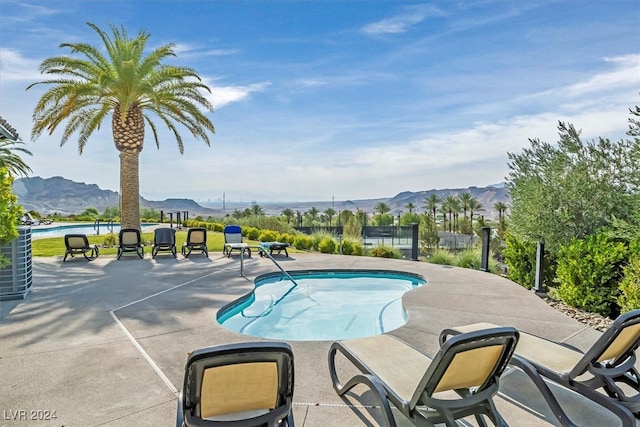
(60, 195)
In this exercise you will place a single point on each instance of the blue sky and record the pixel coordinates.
(317, 100)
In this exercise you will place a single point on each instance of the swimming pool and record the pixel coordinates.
(88, 229)
(322, 305)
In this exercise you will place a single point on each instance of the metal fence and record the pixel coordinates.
(398, 236)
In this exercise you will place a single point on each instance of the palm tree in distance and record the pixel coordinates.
(329, 213)
(452, 206)
(382, 208)
(431, 204)
(474, 206)
(410, 206)
(289, 214)
(500, 208)
(465, 201)
(312, 214)
(126, 85)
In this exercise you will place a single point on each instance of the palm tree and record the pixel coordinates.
(382, 208)
(10, 150)
(312, 214)
(431, 204)
(451, 205)
(410, 206)
(329, 213)
(474, 206)
(465, 201)
(289, 214)
(126, 85)
(501, 208)
(256, 209)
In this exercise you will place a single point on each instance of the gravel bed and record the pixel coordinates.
(596, 321)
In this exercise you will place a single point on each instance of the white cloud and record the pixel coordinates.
(14, 66)
(402, 22)
(224, 95)
(185, 50)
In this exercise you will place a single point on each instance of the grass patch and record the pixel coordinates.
(54, 246)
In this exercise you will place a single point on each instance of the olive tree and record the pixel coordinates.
(572, 189)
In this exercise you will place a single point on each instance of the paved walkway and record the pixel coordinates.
(104, 343)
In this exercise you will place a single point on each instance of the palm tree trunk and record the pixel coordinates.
(128, 136)
(129, 189)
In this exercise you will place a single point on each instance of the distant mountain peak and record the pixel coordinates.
(61, 195)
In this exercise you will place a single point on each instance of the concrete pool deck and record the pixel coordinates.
(104, 343)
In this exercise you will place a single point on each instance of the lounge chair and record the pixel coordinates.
(233, 241)
(196, 239)
(79, 244)
(271, 247)
(129, 240)
(242, 384)
(27, 219)
(469, 364)
(164, 239)
(605, 374)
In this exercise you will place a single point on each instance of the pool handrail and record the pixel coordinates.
(271, 258)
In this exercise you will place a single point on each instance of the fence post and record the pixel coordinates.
(538, 287)
(486, 238)
(414, 241)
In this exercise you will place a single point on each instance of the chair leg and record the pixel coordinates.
(366, 379)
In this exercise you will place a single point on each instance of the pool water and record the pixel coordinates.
(88, 229)
(327, 305)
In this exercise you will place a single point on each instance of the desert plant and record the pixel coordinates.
(267, 236)
(318, 236)
(347, 247)
(251, 233)
(303, 242)
(110, 239)
(520, 257)
(472, 258)
(327, 245)
(589, 272)
(286, 238)
(469, 258)
(629, 298)
(385, 252)
(442, 257)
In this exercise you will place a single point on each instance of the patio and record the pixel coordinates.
(104, 343)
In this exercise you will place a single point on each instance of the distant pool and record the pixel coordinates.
(322, 305)
(88, 229)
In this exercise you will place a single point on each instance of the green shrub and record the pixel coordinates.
(303, 242)
(347, 247)
(267, 236)
(327, 245)
(286, 238)
(520, 257)
(470, 258)
(110, 240)
(385, 252)
(629, 298)
(358, 249)
(350, 247)
(589, 272)
(442, 257)
(319, 236)
(251, 233)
